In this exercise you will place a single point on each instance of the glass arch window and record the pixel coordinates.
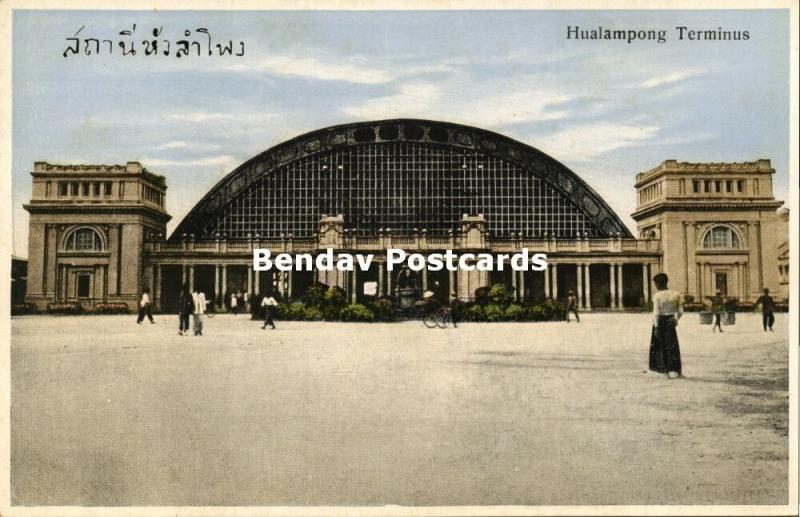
(721, 237)
(83, 239)
(402, 186)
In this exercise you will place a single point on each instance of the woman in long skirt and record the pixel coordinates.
(665, 352)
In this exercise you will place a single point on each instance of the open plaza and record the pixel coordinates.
(107, 412)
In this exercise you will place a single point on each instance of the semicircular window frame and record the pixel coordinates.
(84, 239)
(721, 236)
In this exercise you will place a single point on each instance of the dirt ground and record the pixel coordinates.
(107, 412)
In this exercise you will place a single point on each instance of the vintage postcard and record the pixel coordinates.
(399, 259)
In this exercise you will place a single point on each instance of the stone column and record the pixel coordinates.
(249, 281)
(224, 288)
(381, 274)
(620, 287)
(612, 276)
(183, 275)
(157, 287)
(587, 287)
(522, 285)
(217, 294)
(191, 277)
(257, 282)
(555, 281)
(645, 283)
(152, 283)
(424, 275)
(547, 281)
(579, 274)
(514, 284)
(353, 286)
(388, 282)
(290, 287)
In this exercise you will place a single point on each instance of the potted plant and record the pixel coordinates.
(706, 316)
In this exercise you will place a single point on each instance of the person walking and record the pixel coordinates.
(234, 304)
(199, 309)
(269, 304)
(572, 306)
(240, 301)
(185, 308)
(665, 353)
(717, 306)
(455, 309)
(145, 307)
(767, 310)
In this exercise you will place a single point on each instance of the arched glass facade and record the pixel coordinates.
(402, 186)
(405, 176)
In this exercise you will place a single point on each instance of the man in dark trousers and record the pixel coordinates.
(185, 309)
(767, 307)
(717, 306)
(572, 306)
(269, 304)
(455, 309)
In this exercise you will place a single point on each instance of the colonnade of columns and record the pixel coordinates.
(284, 284)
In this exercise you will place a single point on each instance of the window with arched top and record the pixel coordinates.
(721, 237)
(84, 239)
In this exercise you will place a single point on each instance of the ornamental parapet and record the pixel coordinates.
(411, 243)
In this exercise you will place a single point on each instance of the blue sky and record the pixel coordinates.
(606, 109)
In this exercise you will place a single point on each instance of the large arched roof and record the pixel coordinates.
(537, 163)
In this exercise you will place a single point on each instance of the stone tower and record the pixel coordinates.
(87, 228)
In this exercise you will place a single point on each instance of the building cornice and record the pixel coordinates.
(761, 166)
(710, 206)
(47, 208)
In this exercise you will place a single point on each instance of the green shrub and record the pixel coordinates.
(476, 313)
(383, 310)
(292, 311)
(356, 312)
(515, 312)
(312, 314)
(501, 295)
(553, 310)
(482, 295)
(537, 313)
(335, 297)
(494, 312)
(111, 308)
(64, 308)
(315, 296)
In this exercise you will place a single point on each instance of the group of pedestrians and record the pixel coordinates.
(665, 354)
(194, 304)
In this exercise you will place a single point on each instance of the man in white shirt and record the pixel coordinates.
(145, 308)
(199, 300)
(269, 304)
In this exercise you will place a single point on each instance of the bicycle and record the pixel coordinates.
(441, 318)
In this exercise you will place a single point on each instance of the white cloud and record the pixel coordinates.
(485, 105)
(413, 99)
(672, 77)
(200, 116)
(179, 144)
(585, 142)
(517, 106)
(355, 71)
(224, 161)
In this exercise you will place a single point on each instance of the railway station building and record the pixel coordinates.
(98, 233)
